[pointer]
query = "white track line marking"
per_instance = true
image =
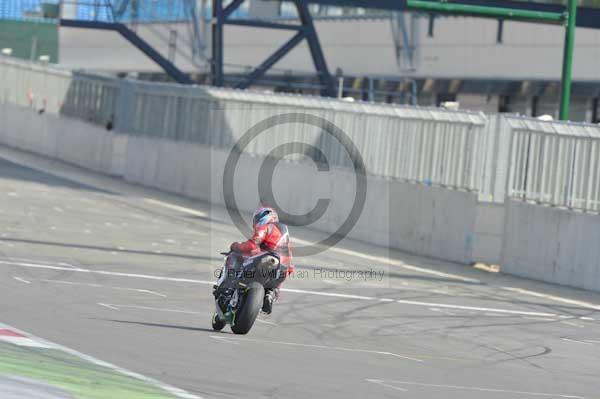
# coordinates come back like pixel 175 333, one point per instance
pixel 553 298
pixel 107 273
pixel 40 261
pixel 26 342
pixel 224 339
pixel 266 322
pixel 108 306
pixel 357 254
pixel 22 280
pixel 119 307
pixel 335 348
pixel 576 341
pixel 315 293
pixel 180 393
pixel 176 207
pixel 447 306
pixel 569 323
pixel 393 262
pixel 72 283
pixel 539 318
pixel 464 388
pixel 144 291
pixel 331 294
pixel 379 382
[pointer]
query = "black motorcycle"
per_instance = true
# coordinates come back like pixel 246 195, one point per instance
pixel 241 290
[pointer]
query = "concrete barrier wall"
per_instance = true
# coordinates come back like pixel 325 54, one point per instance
pixel 553 245
pixel 424 220
pixel 70 140
pixel 488 233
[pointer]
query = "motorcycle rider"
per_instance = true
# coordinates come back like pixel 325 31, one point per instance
pixel 269 235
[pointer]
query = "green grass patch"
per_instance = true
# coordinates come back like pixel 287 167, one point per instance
pixel 78 377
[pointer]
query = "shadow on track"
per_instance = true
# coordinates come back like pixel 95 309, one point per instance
pixel 141 323
pixel 13 171
pixel 111 249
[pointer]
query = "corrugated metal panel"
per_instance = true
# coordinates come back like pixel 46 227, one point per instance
pixel 382 133
pixel 555 163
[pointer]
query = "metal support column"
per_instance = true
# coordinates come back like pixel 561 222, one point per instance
pixel 272 60
pixel 315 49
pixel 217 42
pixel 567 69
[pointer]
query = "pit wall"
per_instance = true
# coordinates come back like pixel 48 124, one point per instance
pixel 553 245
pixel 428 221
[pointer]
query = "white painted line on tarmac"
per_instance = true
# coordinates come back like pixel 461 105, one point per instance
pixel 106 305
pixel 383 384
pixel 266 322
pixel 539 318
pixel 297 291
pixel 176 207
pixel 576 341
pixel 224 339
pixel 478 389
pixel 476 308
pixel 119 307
pixel 107 273
pixel 72 283
pixel 330 294
pixel 180 393
pixel 569 323
pixel 144 291
pixel 39 261
pixel 393 262
pixel 25 342
pixel 553 298
pixel 22 280
pixel 335 348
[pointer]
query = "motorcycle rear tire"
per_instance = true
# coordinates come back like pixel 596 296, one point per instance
pixel 253 301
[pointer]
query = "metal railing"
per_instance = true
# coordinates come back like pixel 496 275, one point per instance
pixel 428 145
pixel 91 98
pixel 555 163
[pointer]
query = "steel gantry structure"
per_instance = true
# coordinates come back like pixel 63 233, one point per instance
pixel 496 9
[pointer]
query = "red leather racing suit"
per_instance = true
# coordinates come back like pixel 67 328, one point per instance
pixel 272 237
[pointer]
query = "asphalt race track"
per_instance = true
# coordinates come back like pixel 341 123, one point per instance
pixel 124 273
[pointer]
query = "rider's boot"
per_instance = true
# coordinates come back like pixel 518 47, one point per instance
pixel 270 296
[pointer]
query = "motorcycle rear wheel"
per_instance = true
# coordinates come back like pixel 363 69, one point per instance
pixel 253 301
